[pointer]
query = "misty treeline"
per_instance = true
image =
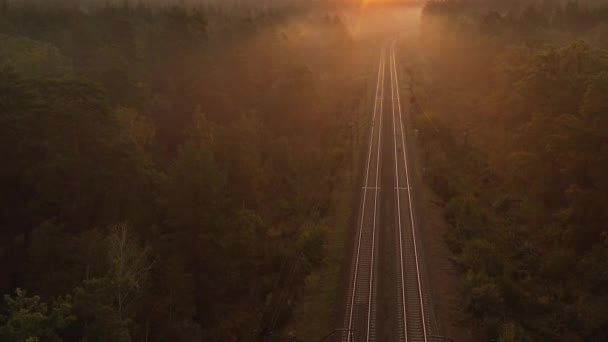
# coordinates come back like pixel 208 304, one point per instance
pixel 513 121
pixel 93 4
pixel 166 172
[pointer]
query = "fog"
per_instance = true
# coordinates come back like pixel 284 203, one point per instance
pixel 190 170
pixel 204 145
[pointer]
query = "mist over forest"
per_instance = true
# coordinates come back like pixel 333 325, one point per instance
pixel 189 170
pixel 96 3
pixel 173 170
pixel 519 96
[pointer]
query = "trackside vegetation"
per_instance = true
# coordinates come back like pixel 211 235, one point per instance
pixel 512 113
pixel 168 172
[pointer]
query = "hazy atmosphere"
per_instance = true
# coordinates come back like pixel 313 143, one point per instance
pixel 265 170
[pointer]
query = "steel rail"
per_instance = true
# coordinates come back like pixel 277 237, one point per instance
pixel 397 189
pixel 397 101
pixel 378 95
pixel 371 276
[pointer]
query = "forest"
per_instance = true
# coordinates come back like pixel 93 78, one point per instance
pixel 187 172
pixel 511 102
pixel 168 172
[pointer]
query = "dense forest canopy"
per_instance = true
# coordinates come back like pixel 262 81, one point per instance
pixel 512 113
pixel 171 170
pixel 167 170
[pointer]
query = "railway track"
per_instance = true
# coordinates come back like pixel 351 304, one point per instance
pixel 413 321
pixel 415 316
pixel 359 319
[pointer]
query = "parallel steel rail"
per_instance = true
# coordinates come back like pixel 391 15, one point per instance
pixel 414 312
pixel 360 314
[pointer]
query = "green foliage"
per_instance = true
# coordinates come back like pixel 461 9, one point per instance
pixel 129 264
pixel 85 259
pixel 465 214
pixel 483 256
pixel 159 117
pixel 483 297
pixel 30 319
pixel 312 243
pixel 510 332
pixel 526 196
pixel 195 187
pixel 32 58
pixel 98 319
